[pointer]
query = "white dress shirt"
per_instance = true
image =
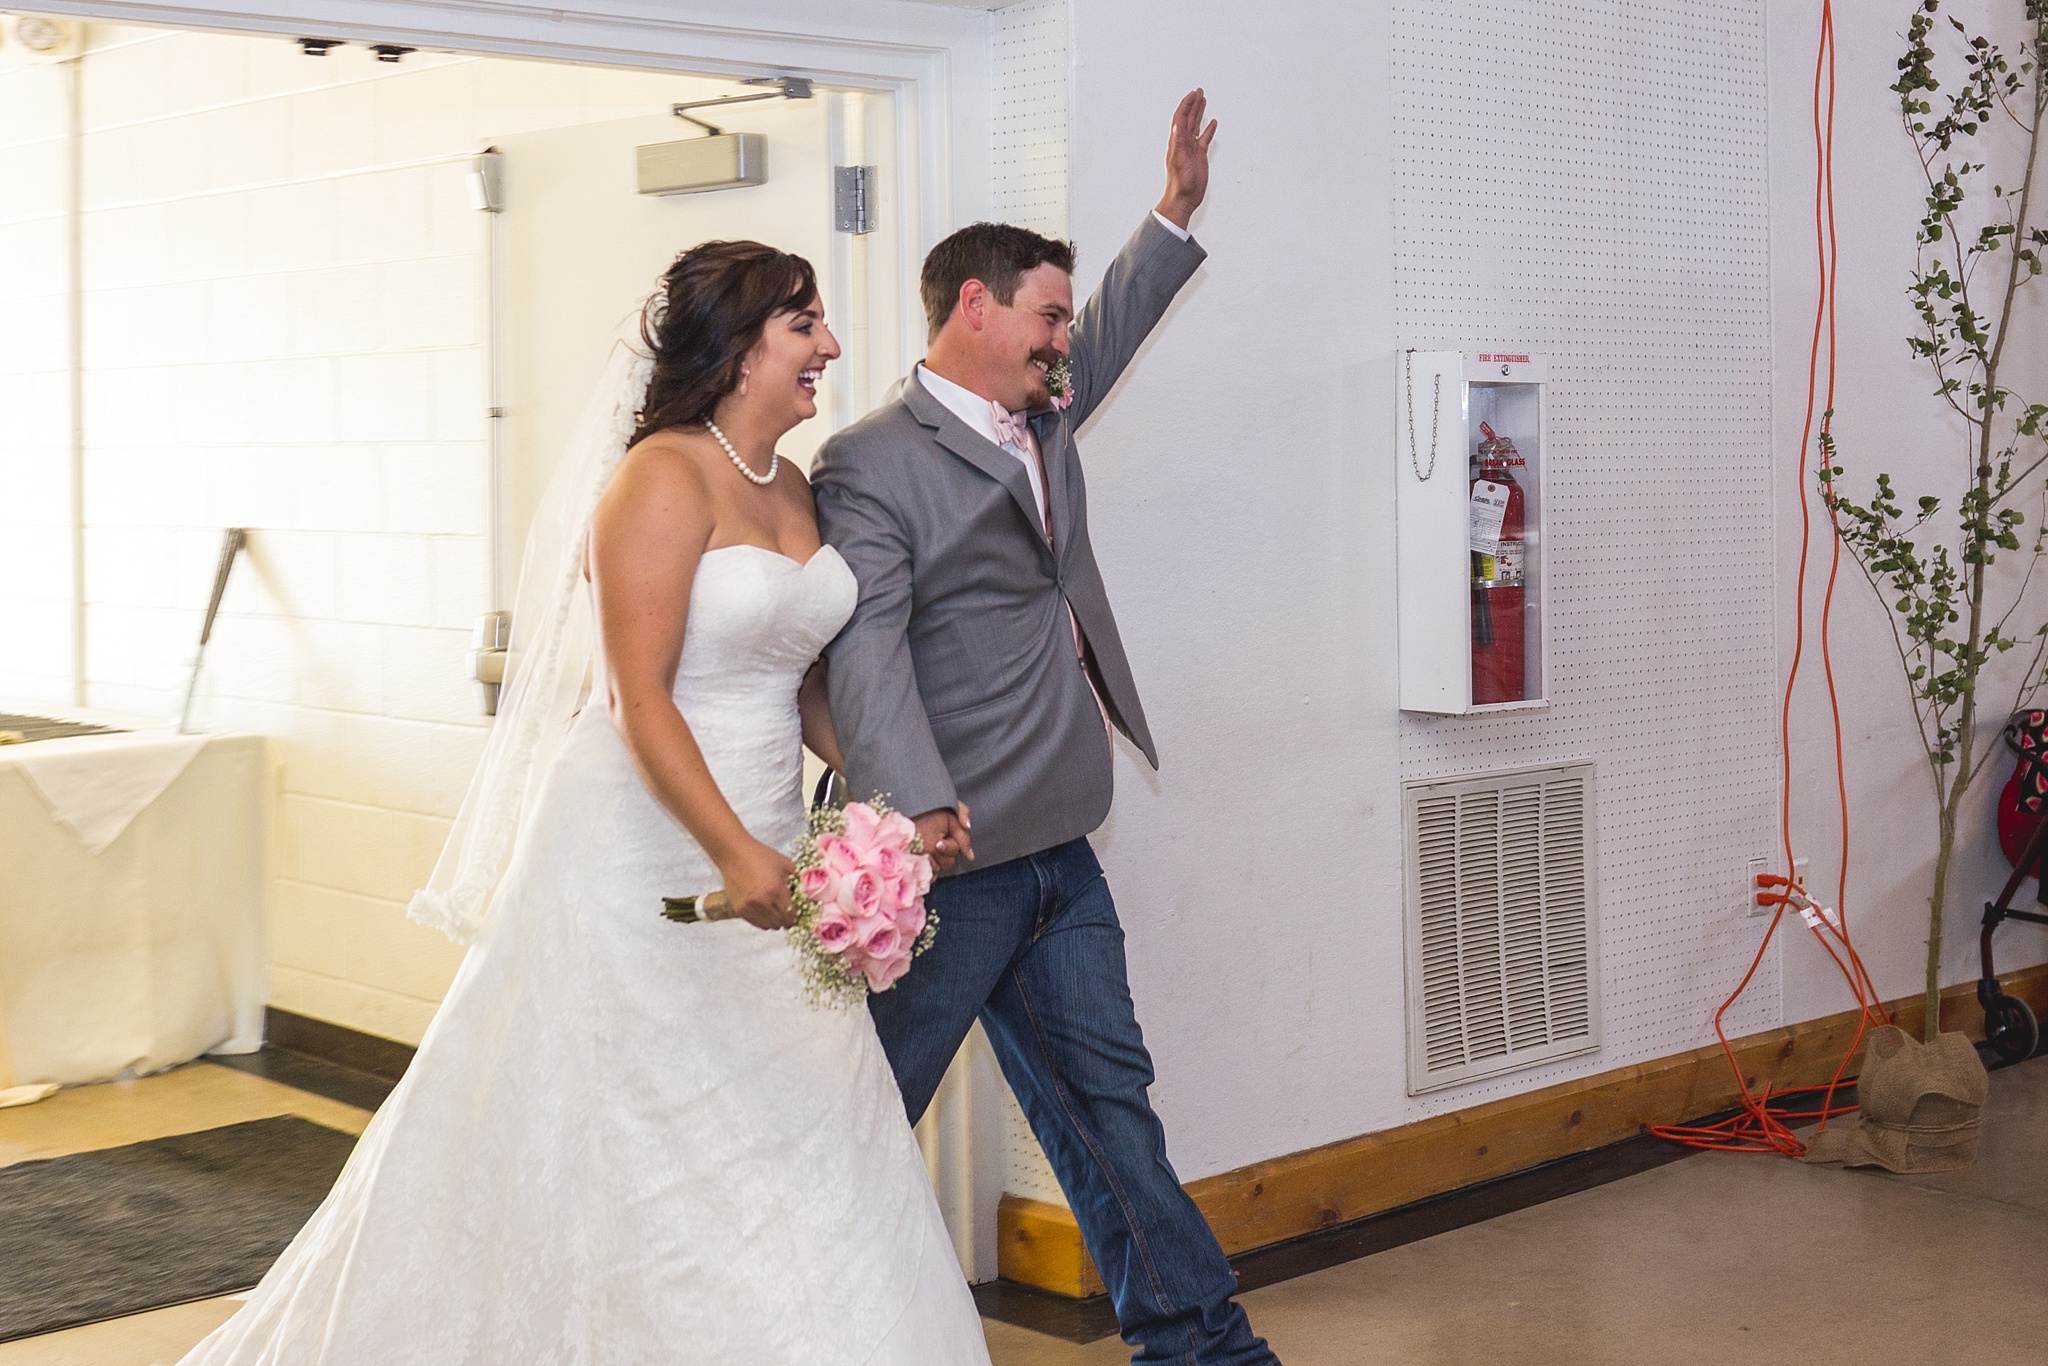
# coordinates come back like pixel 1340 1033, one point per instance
pixel 980 416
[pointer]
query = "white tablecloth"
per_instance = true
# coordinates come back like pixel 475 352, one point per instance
pixel 149 951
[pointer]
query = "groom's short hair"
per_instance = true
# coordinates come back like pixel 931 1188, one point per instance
pixel 997 254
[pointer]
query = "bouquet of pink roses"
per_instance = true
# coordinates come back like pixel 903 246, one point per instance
pixel 858 892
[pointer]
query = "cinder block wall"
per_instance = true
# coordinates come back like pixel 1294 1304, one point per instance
pixel 284 322
pixel 35 397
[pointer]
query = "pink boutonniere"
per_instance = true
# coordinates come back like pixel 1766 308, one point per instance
pixel 1060 381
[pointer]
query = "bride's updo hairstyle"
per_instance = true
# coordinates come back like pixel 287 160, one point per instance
pixel 715 301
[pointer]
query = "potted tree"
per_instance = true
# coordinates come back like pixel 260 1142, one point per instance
pixel 1974 110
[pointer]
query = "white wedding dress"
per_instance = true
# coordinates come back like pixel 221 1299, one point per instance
pixel 625 1140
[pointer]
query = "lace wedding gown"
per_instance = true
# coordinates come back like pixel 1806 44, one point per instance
pixel 625 1140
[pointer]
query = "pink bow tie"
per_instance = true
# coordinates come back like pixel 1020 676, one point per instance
pixel 1012 429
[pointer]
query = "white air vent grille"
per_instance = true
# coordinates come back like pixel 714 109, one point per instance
pixel 1501 923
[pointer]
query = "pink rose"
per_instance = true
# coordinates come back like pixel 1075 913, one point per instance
pixel 860 895
pixel 921 868
pixel 817 884
pixel 833 930
pixel 882 939
pixel 863 828
pixel 838 857
pixel 898 873
pixel 897 831
pixel 911 920
pixel 883 973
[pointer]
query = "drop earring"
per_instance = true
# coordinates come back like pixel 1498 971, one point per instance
pixel 744 372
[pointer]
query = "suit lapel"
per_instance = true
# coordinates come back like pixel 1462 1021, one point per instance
pixel 977 450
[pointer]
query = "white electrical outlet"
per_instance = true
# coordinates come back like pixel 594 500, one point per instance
pixel 1758 867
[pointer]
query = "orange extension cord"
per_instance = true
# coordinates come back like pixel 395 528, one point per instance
pixel 1763 1121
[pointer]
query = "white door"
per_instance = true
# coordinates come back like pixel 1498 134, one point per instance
pixel 582 249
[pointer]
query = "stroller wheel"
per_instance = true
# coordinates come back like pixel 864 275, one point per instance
pixel 2010 1029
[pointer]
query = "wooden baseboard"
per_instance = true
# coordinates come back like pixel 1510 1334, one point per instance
pixel 1040 1245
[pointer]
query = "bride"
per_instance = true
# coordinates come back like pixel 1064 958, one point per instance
pixel 625 1140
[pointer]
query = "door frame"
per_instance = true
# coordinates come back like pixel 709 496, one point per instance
pixel 932 58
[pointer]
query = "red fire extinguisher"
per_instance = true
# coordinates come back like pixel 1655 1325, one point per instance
pixel 1497 577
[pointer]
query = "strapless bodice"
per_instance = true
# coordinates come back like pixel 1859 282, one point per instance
pixel 757 622
pixel 758 619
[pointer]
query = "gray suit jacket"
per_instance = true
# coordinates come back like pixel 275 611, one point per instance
pixel 956 678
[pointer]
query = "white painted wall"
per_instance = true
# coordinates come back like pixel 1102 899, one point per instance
pixel 35 396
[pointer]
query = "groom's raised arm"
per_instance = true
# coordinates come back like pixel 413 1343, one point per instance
pixel 1146 275
pixel 869 678
pixel 1133 296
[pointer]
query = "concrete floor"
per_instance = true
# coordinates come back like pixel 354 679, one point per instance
pixel 1716 1259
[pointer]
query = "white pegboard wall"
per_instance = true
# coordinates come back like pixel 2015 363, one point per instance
pixel 1029 55
pixel 1025 1169
pixel 1588 179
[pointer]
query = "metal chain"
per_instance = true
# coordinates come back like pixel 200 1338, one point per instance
pixel 1435 412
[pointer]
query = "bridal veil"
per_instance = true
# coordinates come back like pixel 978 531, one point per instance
pixel 554 640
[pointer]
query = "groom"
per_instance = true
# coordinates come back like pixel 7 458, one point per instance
pixel 976 683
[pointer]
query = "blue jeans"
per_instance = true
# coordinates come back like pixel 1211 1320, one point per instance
pixel 1034 949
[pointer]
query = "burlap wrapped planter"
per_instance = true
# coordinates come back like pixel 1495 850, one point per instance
pixel 1920 1106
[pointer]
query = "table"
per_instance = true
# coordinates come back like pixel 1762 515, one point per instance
pixel 132 884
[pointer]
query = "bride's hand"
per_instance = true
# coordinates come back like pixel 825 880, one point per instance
pixel 757 885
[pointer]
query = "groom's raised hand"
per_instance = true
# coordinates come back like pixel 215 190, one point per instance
pixel 1187 159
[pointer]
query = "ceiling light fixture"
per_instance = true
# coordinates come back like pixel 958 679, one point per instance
pixel 39 35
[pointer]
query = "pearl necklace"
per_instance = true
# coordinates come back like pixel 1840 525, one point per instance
pixel 774 458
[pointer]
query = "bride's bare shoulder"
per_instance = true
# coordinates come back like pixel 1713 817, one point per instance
pixel 661 483
pixel 671 460
pixel 672 446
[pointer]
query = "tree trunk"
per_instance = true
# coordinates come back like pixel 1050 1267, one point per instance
pixel 1937 904
pixel 1944 855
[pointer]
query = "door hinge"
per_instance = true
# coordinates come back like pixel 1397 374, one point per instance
pixel 853 199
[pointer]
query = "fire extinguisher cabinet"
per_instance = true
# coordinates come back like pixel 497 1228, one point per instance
pixel 1470 430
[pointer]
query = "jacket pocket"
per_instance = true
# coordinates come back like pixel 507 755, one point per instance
pixel 962 713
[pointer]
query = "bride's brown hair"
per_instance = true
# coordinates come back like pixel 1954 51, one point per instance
pixel 715 300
